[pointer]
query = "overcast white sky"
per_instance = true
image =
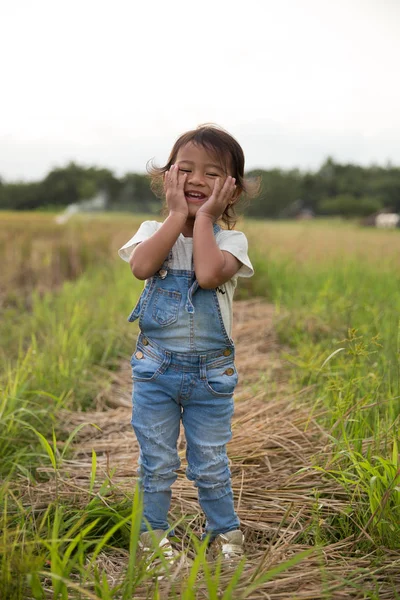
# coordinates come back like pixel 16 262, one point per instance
pixel 114 83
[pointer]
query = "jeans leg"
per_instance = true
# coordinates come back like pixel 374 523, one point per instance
pixel 156 422
pixel 207 422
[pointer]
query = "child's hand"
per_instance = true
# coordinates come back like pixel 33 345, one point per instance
pixel 223 194
pixel 174 183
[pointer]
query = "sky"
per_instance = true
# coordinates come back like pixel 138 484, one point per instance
pixel 113 84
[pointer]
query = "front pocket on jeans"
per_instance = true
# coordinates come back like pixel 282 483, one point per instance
pixel 222 380
pixel 144 367
pixel 166 306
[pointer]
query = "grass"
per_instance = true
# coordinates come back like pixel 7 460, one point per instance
pixel 340 321
pixel 60 355
pixel 64 333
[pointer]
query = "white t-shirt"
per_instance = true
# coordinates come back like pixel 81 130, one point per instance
pixel 231 241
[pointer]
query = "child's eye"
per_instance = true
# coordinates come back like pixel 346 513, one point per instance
pixel 212 174
pixel 185 170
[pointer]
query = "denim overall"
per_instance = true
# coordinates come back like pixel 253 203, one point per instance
pixel 183 369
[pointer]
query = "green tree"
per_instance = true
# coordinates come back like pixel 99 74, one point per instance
pixel 137 195
pixel 278 190
pixel 347 205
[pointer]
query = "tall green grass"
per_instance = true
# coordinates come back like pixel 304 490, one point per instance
pixel 339 320
pixel 59 355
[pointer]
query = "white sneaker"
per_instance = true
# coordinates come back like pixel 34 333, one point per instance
pixel 229 546
pixel 148 543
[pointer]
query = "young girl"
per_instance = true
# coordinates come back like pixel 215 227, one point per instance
pixel 183 367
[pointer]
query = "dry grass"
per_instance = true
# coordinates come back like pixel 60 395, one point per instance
pixel 284 505
pixel 39 255
pixel 322 241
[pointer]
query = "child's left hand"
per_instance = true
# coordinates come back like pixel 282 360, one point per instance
pixel 222 195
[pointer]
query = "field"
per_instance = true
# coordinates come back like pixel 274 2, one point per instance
pixel 315 451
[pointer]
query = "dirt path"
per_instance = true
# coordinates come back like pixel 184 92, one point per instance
pixel 281 501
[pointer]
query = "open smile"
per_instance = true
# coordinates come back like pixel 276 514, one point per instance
pixel 195 196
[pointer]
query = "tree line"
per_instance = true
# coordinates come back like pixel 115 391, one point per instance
pixel 335 189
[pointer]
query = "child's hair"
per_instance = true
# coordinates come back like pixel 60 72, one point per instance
pixel 227 149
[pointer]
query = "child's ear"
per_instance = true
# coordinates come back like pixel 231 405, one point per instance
pixel 235 195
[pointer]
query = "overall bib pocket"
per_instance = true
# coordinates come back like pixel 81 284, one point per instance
pixel 221 379
pixel 166 306
pixel 145 367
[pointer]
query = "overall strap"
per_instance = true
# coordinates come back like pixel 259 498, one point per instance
pixel 189 304
pixel 163 272
pixel 195 286
pixel 216 228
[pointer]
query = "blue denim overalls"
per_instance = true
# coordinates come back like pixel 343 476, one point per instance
pixel 183 369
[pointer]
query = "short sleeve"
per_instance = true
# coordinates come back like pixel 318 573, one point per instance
pixel 235 242
pixel 145 231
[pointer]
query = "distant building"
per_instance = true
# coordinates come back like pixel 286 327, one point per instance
pixel 98 203
pixel 296 210
pixel 382 220
pixel 305 214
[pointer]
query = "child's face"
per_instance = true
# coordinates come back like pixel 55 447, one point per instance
pixel 202 167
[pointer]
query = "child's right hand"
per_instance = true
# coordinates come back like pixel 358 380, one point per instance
pixel 174 185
